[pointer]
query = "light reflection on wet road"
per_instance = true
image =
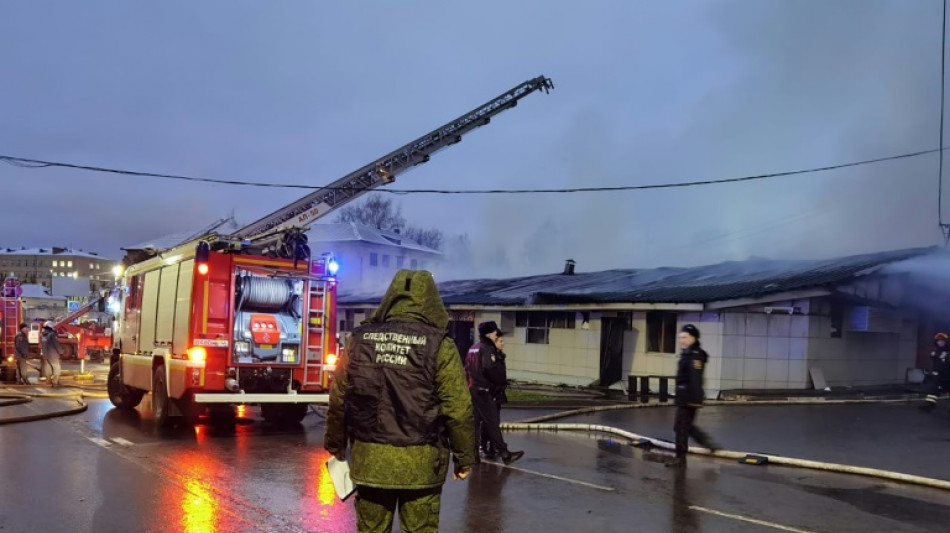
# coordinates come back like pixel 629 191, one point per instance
pixel 106 470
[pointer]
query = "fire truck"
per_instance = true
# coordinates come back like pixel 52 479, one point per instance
pixel 79 341
pixel 250 318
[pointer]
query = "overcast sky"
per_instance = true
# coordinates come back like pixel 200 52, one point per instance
pixel 647 92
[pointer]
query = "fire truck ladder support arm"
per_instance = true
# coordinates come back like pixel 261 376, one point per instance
pixel 384 170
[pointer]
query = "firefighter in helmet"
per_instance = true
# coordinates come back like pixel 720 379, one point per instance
pixel 400 399
pixel 939 376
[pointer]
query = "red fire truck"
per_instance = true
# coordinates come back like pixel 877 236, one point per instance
pixel 250 318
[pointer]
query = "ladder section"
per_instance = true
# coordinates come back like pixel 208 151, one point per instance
pixel 11 319
pixel 315 333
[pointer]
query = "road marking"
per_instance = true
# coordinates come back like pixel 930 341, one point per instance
pixel 101 442
pixel 123 442
pixel 749 520
pixel 552 476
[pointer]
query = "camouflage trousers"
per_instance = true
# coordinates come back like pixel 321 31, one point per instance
pixel 418 510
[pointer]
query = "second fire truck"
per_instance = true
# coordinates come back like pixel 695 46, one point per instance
pixel 250 317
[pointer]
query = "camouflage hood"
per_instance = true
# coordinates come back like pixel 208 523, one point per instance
pixel 412 296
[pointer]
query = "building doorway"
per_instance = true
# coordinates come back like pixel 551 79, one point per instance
pixel 611 350
pixel 463 334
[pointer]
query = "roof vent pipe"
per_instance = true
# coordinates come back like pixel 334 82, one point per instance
pixel 569 267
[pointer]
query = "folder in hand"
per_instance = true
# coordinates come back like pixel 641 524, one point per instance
pixel 340 475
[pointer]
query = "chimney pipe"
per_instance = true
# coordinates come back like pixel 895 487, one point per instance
pixel 569 267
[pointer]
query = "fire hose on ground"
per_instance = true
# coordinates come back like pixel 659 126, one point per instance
pixel 18 398
pixel 538 424
pixel 24 394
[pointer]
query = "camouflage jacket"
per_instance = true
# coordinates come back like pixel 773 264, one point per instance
pixel 412 297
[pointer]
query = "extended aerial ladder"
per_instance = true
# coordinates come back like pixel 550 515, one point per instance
pixel 280 234
pixel 236 319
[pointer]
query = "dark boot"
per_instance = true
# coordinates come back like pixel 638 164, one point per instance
pixel 510 457
pixel 711 444
pixel 677 462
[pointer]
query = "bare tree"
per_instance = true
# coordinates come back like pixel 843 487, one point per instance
pixel 384 214
pixel 431 237
pixel 376 211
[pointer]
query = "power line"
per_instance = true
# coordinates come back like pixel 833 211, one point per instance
pixel 943 66
pixel 36 163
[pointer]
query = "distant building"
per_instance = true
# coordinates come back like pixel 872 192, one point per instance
pixel 858 321
pixel 369 257
pixel 41 265
pixel 38 303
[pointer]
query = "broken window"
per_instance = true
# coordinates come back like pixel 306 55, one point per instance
pixel 562 320
pixel 537 332
pixel 538 324
pixel 661 332
pixel 521 319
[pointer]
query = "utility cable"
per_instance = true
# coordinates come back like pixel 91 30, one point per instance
pixel 36 163
pixel 944 228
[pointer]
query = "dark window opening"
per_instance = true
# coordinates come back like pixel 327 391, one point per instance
pixel 661 332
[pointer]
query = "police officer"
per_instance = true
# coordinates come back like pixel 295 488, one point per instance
pixel 482 366
pixel 499 379
pixel 689 395
pixel 939 376
pixel 399 397
pixel 21 345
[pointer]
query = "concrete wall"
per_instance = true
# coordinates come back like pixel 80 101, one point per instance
pixel 860 358
pixel 764 351
pixel 776 351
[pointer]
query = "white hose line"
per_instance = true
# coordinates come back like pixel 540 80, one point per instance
pixel 710 403
pixel 772 459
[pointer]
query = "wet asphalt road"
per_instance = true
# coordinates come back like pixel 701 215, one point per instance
pixel 890 436
pixel 108 471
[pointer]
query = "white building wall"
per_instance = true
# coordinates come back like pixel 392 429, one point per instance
pixel 764 351
pixel 748 350
pixel 860 358
pixel 572 356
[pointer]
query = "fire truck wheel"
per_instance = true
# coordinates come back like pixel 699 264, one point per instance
pixel 284 414
pixel 160 401
pixel 121 396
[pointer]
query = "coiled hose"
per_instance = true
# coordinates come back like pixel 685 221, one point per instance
pixel 264 293
pixel 267 294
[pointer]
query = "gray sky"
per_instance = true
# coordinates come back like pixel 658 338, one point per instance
pixel 647 92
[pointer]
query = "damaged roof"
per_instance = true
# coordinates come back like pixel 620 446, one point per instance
pixel 351 231
pixel 703 284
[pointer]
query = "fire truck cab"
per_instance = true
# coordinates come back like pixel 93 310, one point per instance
pixel 200 328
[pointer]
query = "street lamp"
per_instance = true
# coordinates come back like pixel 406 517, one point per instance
pixel 117 270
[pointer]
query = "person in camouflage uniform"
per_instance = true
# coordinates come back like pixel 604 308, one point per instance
pixel 400 398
